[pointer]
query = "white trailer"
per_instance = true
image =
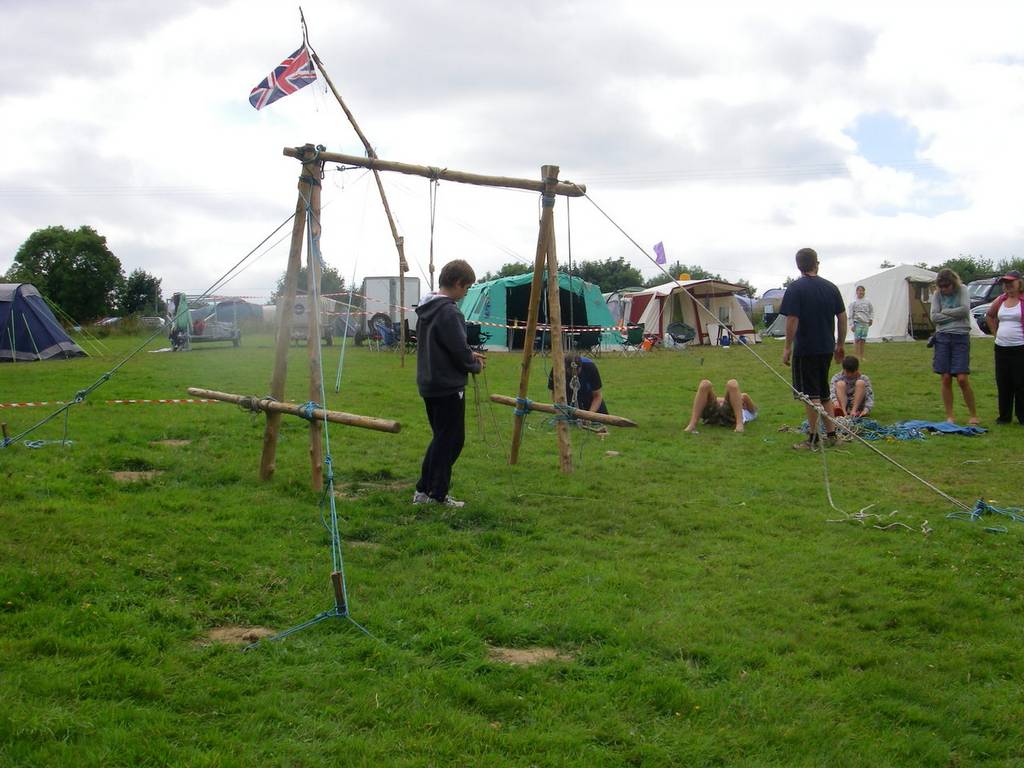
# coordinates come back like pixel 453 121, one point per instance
pixel 381 295
pixel 301 311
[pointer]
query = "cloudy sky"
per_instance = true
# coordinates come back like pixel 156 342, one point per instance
pixel 735 135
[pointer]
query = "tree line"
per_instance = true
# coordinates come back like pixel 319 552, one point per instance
pixel 77 271
pixel 616 274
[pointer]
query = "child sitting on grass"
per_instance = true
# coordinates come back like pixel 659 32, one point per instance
pixel 850 390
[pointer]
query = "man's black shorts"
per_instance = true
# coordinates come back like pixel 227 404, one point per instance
pixel 810 375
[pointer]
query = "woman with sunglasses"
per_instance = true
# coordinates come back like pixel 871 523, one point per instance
pixel 951 306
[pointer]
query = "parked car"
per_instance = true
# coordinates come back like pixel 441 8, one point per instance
pixel 979 313
pixel 984 291
pixel 152 322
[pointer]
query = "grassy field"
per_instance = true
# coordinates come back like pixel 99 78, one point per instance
pixel 702 609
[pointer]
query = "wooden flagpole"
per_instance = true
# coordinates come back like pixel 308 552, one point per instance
pixel 403 265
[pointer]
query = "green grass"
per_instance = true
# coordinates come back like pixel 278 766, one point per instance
pixel 712 615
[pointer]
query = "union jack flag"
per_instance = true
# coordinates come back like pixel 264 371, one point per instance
pixel 291 74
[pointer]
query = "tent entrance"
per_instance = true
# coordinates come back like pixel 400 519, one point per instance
pixel 573 308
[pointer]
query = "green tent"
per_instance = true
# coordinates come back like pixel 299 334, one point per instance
pixel 505 301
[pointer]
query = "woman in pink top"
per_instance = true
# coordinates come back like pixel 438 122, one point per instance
pixel 1006 319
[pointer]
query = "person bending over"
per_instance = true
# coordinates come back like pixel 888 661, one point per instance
pixel 850 390
pixel 733 410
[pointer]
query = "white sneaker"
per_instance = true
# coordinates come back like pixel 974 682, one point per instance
pixel 450 502
pixel 421 498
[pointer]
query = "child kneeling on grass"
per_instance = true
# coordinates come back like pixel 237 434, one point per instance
pixel 850 390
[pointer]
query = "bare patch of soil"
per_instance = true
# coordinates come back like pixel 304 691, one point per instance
pixel 357 544
pixel 171 443
pixel 525 657
pixel 126 476
pixel 236 635
pixel 360 488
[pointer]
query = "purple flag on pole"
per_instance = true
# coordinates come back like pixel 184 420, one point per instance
pixel 659 251
pixel 291 74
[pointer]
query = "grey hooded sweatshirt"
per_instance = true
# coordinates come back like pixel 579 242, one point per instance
pixel 443 358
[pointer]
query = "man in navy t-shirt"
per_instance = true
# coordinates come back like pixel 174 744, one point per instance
pixel 589 396
pixel 813 307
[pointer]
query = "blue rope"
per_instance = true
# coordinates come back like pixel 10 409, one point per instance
pixel 308 409
pixel 983 508
pixel 523 405
pixel 565 412
pixel 869 429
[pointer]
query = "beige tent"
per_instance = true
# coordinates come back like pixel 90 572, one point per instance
pixel 710 307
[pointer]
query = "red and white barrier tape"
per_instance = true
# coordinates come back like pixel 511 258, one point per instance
pixel 110 402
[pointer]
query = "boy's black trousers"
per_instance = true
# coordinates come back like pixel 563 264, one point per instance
pixel 447 417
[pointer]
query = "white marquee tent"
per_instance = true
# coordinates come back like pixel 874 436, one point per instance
pixel 901 297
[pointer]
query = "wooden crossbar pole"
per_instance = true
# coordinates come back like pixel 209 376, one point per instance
pixel 579 413
pixel 270 406
pixel 444 174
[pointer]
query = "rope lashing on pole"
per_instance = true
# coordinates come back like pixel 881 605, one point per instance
pixel 523 406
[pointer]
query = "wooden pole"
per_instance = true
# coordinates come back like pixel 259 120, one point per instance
pixel 566 188
pixel 403 266
pixel 270 406
pixel 309 174
pixel 539 261
pixel 603 418
pixel 316 449
pixel 555 322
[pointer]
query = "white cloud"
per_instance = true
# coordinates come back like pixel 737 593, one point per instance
pixel 722 131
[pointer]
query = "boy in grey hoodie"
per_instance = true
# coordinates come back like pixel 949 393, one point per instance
pixel 443 360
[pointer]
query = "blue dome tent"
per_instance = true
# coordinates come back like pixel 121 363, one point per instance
pixel 28 329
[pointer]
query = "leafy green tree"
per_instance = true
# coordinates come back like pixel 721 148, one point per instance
pixel 140 293
pixel 331 281
pixel 750 291
pixel 609 275
pixel 1005 265
pixel 73 268
pixel 968 267
pixel 511 269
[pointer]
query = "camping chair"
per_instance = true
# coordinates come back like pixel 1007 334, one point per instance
pixel 681 333
pixel 476 337
pixel 410 336
pixel 382 333
pixel 586 341
pixel 632 339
